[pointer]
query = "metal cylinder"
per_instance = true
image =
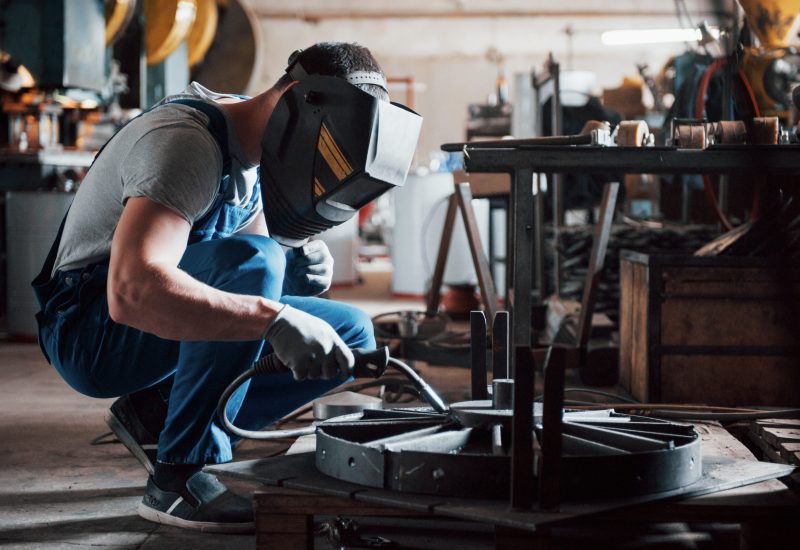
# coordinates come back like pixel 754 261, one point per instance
pixel 502 393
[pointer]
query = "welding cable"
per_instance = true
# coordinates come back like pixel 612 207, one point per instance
pixel 259 367
pixel 399 387
pixel 427 393
pixel 699 109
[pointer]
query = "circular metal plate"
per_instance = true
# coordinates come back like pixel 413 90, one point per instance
pixel 465 453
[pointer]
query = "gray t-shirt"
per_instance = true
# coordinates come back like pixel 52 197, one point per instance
pixel 167 155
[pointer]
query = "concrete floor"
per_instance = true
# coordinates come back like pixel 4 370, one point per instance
pixel 59 491
pixel 56 489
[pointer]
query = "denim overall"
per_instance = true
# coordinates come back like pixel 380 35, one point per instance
pixel 101 358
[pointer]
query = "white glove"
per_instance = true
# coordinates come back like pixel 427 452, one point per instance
pixel 308 345
pixel 309 270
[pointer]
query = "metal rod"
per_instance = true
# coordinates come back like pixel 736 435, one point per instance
pixel 435 292
pixel 579 139
pixel 552 412
pixel 538 219
pixel 767 160
pixel 597 260
pixel 477 327
pixel 522 207
pixel 500 345
pixel 522 430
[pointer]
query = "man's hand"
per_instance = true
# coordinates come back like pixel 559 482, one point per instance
pixel 309 270
pixel 308 345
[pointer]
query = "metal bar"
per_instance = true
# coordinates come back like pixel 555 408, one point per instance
pixel 556 139
pixel 538 219
pixel 602 234
pixel 686 201
pixel 522 430
pixel 477 328
pixel 552 429
pixel 557 126
pixel 479 259
pixel 500 345
pixel 408 436
pixel 614 438
pixel 443 442
pixel 434 294
pixel 522 206
pixel 573 445
pixel 719 159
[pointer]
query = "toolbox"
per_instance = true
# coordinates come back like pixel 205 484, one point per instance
pixel 712 330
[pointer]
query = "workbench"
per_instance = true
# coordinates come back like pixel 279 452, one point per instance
pixel 292 492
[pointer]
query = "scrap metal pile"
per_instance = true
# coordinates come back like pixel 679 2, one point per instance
pixel 575 247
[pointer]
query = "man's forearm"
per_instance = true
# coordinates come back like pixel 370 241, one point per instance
pixel 165 301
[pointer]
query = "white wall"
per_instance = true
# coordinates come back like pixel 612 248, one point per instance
pixel 445 45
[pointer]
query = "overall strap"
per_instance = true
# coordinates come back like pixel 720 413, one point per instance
pixel 216 125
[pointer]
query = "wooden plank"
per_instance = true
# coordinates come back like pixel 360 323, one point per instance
pixel 485 185
pixel 770 453
pixel 641 338
pixel 434 294
pixel 479 259
pixel 778 423
pixel 776 436
pixel 730 380
pixel 689 321
pixel 790 452
pixel 302 502
pixel 626 312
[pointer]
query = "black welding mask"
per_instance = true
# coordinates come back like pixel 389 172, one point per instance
pixel 329 149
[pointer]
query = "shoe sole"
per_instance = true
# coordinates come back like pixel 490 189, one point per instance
pixel 130 443
pixel 205 526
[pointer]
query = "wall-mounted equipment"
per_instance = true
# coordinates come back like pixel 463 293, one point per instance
pixel 61 42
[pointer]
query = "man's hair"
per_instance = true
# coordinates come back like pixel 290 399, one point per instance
pixel 340 59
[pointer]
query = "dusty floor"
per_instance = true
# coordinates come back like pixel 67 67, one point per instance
pixel 59 491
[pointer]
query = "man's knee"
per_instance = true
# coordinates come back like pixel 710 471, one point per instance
pixel 245 264
pixel 360 333
pixel 255 250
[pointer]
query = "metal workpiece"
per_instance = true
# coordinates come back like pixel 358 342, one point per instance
pixel 477 326
pixel 502 393
pixel 416 450
pixel 331 406
pixel 500 345
pixel 776 160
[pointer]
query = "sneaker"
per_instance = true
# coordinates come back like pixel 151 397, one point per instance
pixel 140 440
pixel 204 504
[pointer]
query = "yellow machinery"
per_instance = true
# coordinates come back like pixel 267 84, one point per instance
pixel 773 65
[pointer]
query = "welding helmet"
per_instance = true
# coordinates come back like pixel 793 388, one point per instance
pixel 330 148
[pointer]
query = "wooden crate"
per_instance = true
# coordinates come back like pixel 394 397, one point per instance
pixel 719 331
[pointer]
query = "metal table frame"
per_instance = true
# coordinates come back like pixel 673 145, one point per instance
pixel 523 163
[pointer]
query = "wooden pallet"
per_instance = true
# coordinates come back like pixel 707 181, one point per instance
pixel 294 492
pixel 779 441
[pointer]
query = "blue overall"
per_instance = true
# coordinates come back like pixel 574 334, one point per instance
pixel 101 358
